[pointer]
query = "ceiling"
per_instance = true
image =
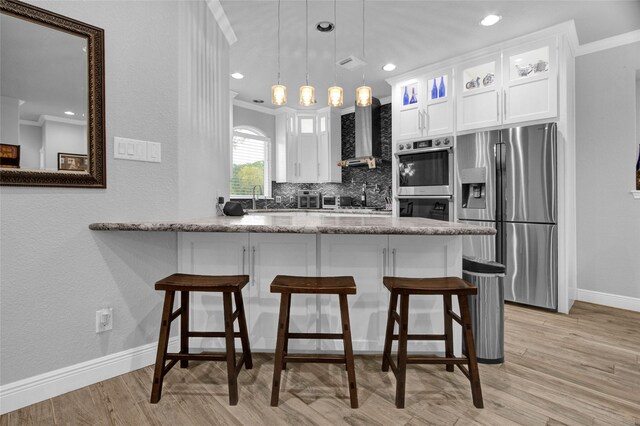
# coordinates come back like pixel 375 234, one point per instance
pixel 45 68
pixel 409 34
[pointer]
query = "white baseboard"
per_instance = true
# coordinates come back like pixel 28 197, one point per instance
pixel 47 385
pixel 613 300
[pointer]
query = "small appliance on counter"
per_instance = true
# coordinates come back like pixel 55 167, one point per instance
pixel 335 201
pixel 308 199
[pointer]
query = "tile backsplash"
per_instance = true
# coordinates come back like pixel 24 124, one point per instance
pixel 378 180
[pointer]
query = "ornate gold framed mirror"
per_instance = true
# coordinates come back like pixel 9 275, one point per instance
pixel 52 130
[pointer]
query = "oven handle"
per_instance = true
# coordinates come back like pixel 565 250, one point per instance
pixel 424 150
pixel 426 197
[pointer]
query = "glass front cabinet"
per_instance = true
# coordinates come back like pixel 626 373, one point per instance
pixel 424 106
pixel 530 87
pixel 478 85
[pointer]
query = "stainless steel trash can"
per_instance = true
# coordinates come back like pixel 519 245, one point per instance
pixel 487 308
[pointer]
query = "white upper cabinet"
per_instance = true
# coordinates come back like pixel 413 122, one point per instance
pixel 407 105
pixel 423 106
pixel 478 84
pixel 530 86
pixel 438 109
pixel 308 146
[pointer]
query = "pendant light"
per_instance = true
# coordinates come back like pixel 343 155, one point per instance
pixel 335 93
pixel 364 97
pixel 278 91
pixel 307 93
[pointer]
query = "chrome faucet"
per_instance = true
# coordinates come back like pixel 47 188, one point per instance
pixel 253 196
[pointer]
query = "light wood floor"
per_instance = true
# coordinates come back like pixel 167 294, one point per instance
pixel 581 369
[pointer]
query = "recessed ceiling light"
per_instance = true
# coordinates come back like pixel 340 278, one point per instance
pixel 70 113
pixel 258 101
pixel 237 76
pixel 490 20
pixel 389 67
pixel 325 26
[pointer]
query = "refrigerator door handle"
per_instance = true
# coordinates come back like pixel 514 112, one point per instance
pixel 497 106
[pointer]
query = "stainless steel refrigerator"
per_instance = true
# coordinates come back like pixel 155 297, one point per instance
pixel 507 179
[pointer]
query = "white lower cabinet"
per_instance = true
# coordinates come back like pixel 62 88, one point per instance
pixel 365 258
pixel 414 256
pixel 262 257
pixel 368 258
pixel 279 254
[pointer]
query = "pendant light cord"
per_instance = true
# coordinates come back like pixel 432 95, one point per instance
pixel 363 40
pixel 278 42
pixel 306 33
pixel 335 43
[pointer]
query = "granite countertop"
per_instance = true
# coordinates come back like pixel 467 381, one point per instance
pixel 346 211
pixel 303 224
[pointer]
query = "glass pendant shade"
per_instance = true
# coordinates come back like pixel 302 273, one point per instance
pixel 335 96
pixel 278 94
pixel 363 96
pixel 307 95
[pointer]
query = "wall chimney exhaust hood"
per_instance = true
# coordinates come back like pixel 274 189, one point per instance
pixel 368 142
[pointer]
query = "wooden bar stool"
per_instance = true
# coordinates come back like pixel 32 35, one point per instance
pixel 185 283
pixel 288 285
pixel 404 287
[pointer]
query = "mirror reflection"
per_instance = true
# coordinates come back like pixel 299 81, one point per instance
pixel 44 93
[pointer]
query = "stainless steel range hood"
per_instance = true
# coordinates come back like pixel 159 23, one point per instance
pixel 368 142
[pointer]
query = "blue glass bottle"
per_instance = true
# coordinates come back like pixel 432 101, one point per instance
pixel 405 97
pixel 434 90
pixel 442 91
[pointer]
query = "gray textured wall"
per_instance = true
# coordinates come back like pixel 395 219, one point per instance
pixel 55 272
pixel 608 218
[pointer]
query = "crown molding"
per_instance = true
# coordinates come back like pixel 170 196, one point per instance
pixel 223 21
pixel 44 118
pixel 31 123
pixel 609 43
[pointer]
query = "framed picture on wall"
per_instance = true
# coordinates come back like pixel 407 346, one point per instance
pixel 9 156
pixel 72 162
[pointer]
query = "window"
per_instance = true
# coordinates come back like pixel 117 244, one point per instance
pixel 251 162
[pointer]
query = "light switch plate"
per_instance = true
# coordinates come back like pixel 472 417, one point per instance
pixel 136 150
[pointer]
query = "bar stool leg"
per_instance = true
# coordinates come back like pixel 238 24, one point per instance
pixel 231 349
pixel 388 336
pixel 244 334
pixel 286 335
pixel 348 350
pixel 402 350
pixel 448 330
pixel 283 319
pixel 184 327
pixel 474 376
pixel 163 342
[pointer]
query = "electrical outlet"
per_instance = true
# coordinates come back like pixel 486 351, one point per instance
pixel 278 199
pixel 104 320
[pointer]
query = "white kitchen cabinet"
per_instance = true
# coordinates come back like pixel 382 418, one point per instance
pixel 424 110
pixel 365 257
pixel 215 253
pixel 478 93
pixel 310 148
pixel 279 254
pixel 329 130
pixel 408 108
pixel 415 256
pixel 530 83
pixel 262 257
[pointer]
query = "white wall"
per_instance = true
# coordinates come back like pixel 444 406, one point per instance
pixel 30 145
pixel 61 137
pixel 55 272
pixel 9 120
pixel 204 165
pixel 608 218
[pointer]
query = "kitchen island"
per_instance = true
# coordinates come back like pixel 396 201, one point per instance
pixel 365 247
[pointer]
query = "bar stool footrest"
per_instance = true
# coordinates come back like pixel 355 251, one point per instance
pixel 422 337
pixel 420 359
pixel 315 358
pixel 323 336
